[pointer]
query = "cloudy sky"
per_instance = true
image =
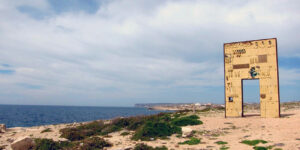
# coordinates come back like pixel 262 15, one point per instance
pixel 121 52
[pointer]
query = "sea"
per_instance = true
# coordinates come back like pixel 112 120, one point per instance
pixel 34 115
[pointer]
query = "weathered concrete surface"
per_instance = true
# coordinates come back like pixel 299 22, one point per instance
pixel 251 60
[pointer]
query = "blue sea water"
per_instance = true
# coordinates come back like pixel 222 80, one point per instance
pixel 33 115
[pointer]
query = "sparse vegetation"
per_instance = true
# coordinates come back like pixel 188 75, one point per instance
pixel 155 129
pixel 46 144
pixel 208 109
pixel 262 147
pixel 253 142
pixel 46 130
pixel 94 143
pixel 221 142
pixel 224 148
pixel 192 141
pixel 88 144
pixel 87 130
pixel 290 105
pixel 188 120
pixel 146 127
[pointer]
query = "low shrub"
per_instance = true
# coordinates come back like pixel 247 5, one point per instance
pixel 87 130
pixel 259 148
pixel 208 109
pixel 221 142
pixel 131 123
pixel 146 147
pixel 49 144
pixel 109 129
pixel 46 144
pixel 188 120
pixel 224 148
pixel 253 142
pixel 192 141
pixel 262 147
pixel 155 129
pixel 72 134
pixel 94 143
pixel 146 127
pixel 46 130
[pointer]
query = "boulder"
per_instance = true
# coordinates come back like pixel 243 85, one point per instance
pixel 23 144
pixel 186 132
pixel 2 128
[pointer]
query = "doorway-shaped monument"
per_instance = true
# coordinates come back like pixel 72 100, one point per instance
pixel 251 60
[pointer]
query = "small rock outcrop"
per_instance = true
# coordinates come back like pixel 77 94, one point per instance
pixel 23 144
pixel 186 132
pixel 2 128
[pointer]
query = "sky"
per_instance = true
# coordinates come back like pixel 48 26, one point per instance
pixel 120 52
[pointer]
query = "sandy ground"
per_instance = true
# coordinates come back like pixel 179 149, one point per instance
pixel 283 132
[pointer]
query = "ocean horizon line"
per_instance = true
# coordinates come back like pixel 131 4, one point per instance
pixel 66 105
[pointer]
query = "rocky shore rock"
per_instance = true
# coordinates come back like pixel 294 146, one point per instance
pixel 25 143
pixel 2 128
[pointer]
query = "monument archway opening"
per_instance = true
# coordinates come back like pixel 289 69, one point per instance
pixel 251 97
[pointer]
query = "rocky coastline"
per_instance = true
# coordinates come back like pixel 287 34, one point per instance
pixel 214 132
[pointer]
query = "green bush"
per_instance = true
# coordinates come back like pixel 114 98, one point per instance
pixel 133 123
pixel 188 120
pixel 262 147
pixel 259 148
pixel 192 141
pixel 146 147
pixel 109 129
pixel 224 148
pixel 155 129
pixel 46 130
pixel 87 130
pixel 72 134
pixel 46 144
pixel 253 142
pixel 221 142
pixel 49 144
